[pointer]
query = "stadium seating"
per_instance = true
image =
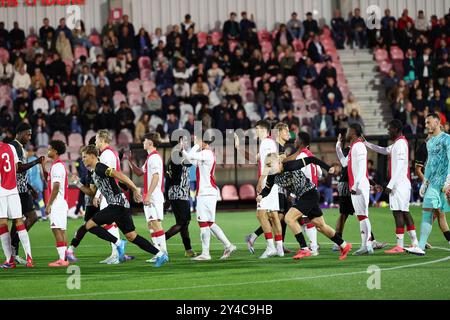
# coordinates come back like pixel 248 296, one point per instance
pixel 229 193
pixel 247 192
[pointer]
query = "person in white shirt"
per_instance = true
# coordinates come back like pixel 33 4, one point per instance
pixel 153 193
pixel 356 163
pixel 40 102
pixel 109 157
pixel 6 72
pixel 57 207
pixel 399 186
pixel 21 80
pixel 204 159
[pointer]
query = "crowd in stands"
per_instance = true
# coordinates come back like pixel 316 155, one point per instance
pixel 414 57
pixel 126 79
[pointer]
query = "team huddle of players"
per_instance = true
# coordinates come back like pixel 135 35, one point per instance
pixel 287 194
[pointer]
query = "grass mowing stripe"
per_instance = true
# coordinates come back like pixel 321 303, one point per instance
pixel 237 284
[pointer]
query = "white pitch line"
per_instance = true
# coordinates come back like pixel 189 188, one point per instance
pixel 234 284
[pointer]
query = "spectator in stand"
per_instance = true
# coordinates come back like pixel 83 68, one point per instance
pixel 106 118
pixel 84 76
pixel 110 44
pixel 21 80
pixel 4 35
pixel 375 194
pixel 74 121
pixel 16 37
pixel 310 25
pixel 231 29
pixel 399 105
pixel 283 37
pixel 408 36
pixel 190 123
pixel 231 88
pixel 125 117
pixel 247 27
pixel 158 37
pixel 419 103
pixel 358 29
pixel 63 28
pixel 290 119
pixel 126 23
pixel 265 99
pixel 405 115
pixel 390 82
pixel 295 27
pixel 437 101
pixel 354 117
pixel 142 128
pixel 118 81
pixel 308 74
pixel 172 123
pixel 40 102
pixel 79 36
pixel 190 45
pixel 341 121
pixel 272 118
pixel 316 50
pixel 327 72
pixel 425 65
pixel 6 72
pixel 287 63
pixel 404 20
pixel 199 92
pixel 103 90
pixel 164 77
pixel 331 87
pixel 338 29
pixel 41 133
pixel 153 103
pixel 421 22
pixel 186 24
pixel 57 69
pixel 182 90
pixel 351 104
pixel 323 124
pixel 414 127
pixel 23 97
pixel 241 120
pixel 49 43
pixel 332 104
pixel 143 43
pixel 386 18
pixel 126 39
pixel 38 81
pixel 57 121
pixel 45 29
pixel 215 76
pixel 87 91
pixel 284 99
pixel 409 67
pixel 132 67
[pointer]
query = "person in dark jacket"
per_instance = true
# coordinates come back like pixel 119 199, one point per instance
pixel 310 25
pixel 231 29
pixel 316 50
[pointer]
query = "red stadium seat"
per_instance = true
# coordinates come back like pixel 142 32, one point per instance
pixel 133 86
pixel 147 87
pixel 381 55
pixel 216 37
pixel 118 98
pixel 247 192
pixel 4 54
pixel 30 41
pixel 125 138
pixel 229 193
pixel 145 74
pixel 266 47
pixel 397 53
pixel 385 66
pixel 58 135
pixel 232 45
pixel 298 45
pixel 89 135
pixel 134 99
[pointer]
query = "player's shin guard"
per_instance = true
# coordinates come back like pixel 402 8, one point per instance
pixel 205 236
pixel 145 245
pixel 412 235
pixel 113 230
pixel 218 232
pixel 160 239
pixel 6 242
pixel 311 232
pixel 25 240
pixel 366 230
pixel 425 228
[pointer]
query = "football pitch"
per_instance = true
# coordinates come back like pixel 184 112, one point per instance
pixel 243 276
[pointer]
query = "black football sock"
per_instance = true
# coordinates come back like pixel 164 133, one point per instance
pixel 259 231
pixel 337 239
pixel 339 234
pixel 184 232
pixel 14 239
pixel 447 235
pixel 172 231
pixel 79 235
pixel 103 234
pixel 145 245
pixel 283 228
pixel 301 240
pixel 372 236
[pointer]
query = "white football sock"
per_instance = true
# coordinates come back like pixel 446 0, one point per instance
pixel 413 236
pixel 399 232
pixel 25 241
pixel 6 243
pixel 311 232
pixel 218 232
pixel 205 236
pixel 61 251
pixel 366 230
pixel 160 240
pixel 115 232
pixel 253 237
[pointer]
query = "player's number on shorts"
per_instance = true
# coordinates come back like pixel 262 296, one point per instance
pixel 7 167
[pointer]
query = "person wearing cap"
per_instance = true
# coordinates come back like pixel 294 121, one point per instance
pixel 202 156
pixel 40 102
pixel 295 27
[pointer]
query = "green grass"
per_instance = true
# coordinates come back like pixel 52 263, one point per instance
pixel 244 276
